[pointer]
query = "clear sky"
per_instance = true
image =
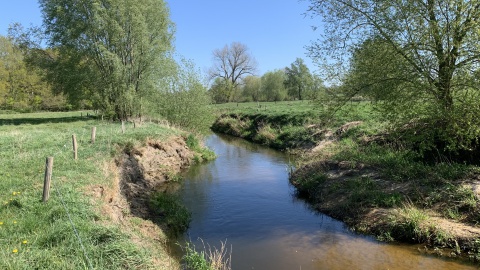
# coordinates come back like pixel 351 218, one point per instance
pixel 275 31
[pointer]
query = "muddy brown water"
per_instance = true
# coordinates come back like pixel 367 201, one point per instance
pixel 244 198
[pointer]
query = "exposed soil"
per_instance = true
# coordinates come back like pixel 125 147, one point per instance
pixel 135 174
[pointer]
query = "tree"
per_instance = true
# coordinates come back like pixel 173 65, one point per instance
pixel 183 100
pixel 252 88
pixel 299 79
pixel 123 41
pixel 66 73
pixel 273 87
pixel 317 89
pixel 232 63
pixel 433 42
pixel 21 86
pixel 220 91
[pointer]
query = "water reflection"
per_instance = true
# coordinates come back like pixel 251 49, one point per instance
pixel 244 197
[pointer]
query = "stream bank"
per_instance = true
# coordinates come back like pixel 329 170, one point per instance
pixel 376 189
pixel 138 173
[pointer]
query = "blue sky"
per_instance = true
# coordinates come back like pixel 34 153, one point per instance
pixel 275 31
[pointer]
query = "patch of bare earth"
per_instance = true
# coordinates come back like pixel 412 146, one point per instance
pixel 134 176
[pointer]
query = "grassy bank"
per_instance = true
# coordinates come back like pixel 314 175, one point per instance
pixel 353 169
pixel 86 223
pixel 289 124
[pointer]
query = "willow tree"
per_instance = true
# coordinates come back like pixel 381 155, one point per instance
pixel 419 54
pixel 299 79
pixel 122 41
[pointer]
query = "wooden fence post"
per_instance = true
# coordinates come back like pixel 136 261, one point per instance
pixel 123 127
pixel 47 179
pixel 94 132
pixel 74 140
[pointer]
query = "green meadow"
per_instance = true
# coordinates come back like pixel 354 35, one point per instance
pixel 69 231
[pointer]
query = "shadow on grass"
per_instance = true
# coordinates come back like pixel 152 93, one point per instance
pixel 38 121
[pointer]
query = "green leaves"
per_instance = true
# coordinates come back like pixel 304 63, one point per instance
pixel 123 42
pixel 416 59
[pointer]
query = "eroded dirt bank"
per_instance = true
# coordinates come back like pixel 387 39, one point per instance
pixel 136 174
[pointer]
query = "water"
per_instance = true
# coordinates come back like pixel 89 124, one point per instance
pixel 245 199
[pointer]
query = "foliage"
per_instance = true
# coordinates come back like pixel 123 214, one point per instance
pixel 21 86
pixel 251 90
pixel 221 90
pixel 272 86
pixel 298 79
pixel 208 259
pixel 183 100
pixel 417 58
pixel 193 259
pixel 231 64
pixel 201 153
pixel 124 43
pixel 170 210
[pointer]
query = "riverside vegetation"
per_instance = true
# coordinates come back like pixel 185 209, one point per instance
pixel 355 169
pixel 91 193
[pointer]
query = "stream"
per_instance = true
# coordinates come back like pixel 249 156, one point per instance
pixel 245 200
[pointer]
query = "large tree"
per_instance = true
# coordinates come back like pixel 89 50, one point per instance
pixel 434 43
pixel 251 88
pixel 123 41
pixel 299 79
pixel 231 64
pixel 273 88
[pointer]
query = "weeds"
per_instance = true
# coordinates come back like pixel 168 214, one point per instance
pixel 172 212
pixel 208 259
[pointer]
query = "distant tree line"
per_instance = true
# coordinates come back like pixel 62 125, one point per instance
pixel 234 80
pixel 22 87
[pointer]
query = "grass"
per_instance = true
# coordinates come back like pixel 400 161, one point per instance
pixel 36 235
pixel 169 208
pixel 202 154
pixel 289 124
pixel 208 259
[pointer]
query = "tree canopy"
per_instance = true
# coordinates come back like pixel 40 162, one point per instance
pixel 231 64
pixel 21 86
pixel 426 57
pixel 298 79
pixel 120 43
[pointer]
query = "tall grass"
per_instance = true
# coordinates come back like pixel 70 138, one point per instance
pixel 211 258
pixel 35 235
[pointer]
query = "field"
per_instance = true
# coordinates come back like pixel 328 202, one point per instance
pixel 299 112
pixel 69 231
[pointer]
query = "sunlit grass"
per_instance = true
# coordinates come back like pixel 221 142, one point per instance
pixel 36 235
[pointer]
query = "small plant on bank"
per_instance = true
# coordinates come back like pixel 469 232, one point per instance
pixel 208 259
pixel 194 260
pixel 201 153
pixel 171 212
pixel 409 224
